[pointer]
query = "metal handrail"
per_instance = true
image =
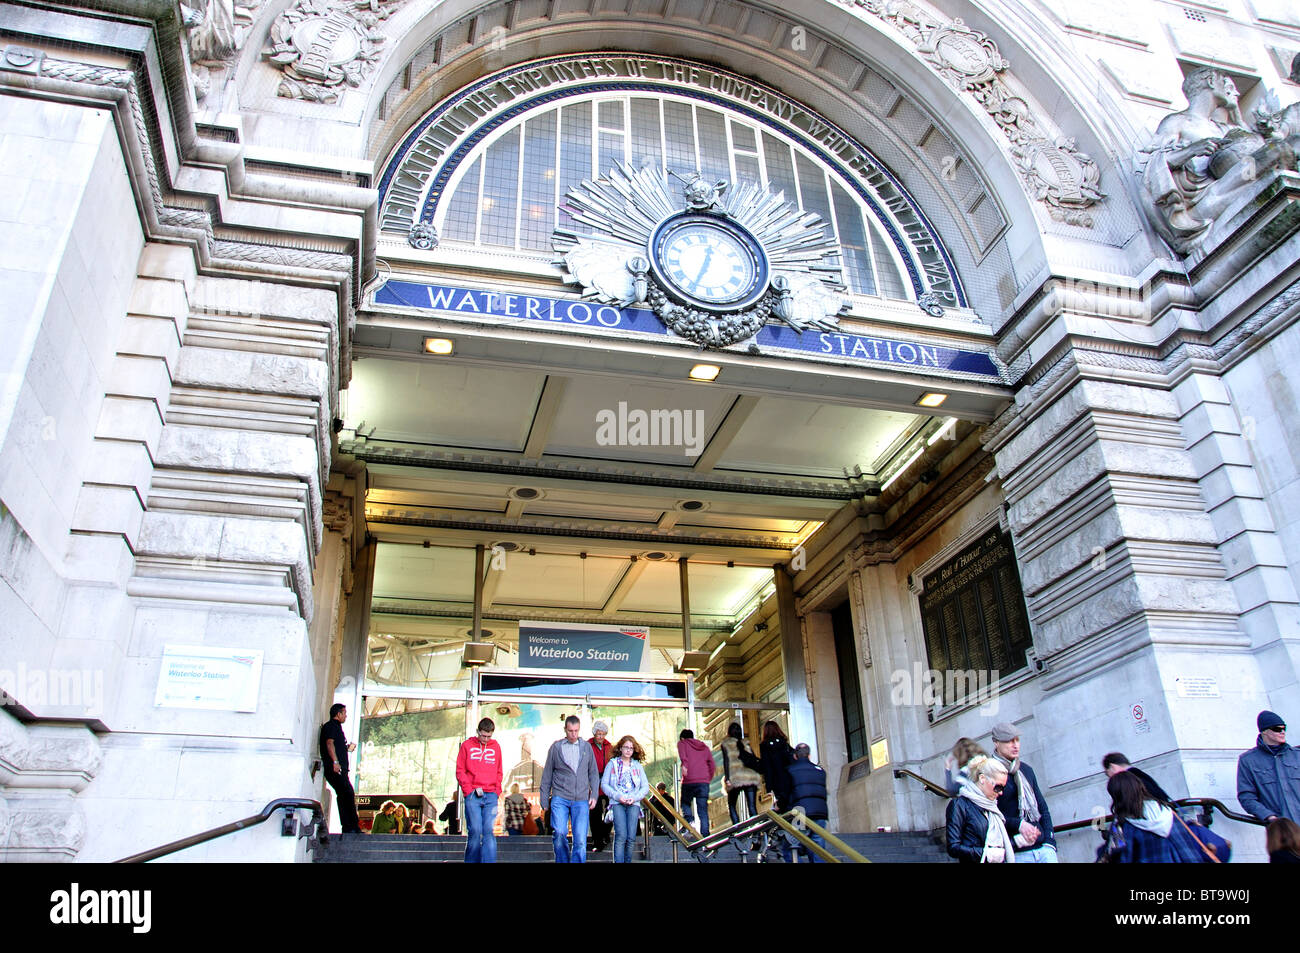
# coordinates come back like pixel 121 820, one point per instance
pixel 282 803
pixel 1208 806
pixel 672 811
pixel 930 786
pixel 669 828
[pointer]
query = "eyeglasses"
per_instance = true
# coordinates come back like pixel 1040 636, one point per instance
pixel 999 788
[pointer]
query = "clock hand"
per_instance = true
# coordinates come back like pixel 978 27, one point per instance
pixel 705 266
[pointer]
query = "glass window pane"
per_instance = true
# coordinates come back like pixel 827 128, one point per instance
pixel 853 239
pixel 538 218
pixel 747 169
pixel 500 191
pixel 679 130
pixel 887 274
pixel 743 137
pixel 575 150
pixel 611 115
pixel 462 213
pixel 713 145
pixel 646 133
pixel 611 152
pixel 780 171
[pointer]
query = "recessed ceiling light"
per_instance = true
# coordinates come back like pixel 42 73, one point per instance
pixel 438 345
pixel 691 505
pixel 931 399
pixel 525 493
pixel 656 555
pixel 705 372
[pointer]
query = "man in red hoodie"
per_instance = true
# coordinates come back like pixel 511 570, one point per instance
pixel 478 772
pixel 697 772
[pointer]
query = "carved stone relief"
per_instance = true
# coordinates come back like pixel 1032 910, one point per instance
pixel 1204 159
pixel 216 30
pixel 1054 170
pixel 326 46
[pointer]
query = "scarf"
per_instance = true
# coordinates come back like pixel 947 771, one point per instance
pixel 997 835
pixel 1156 819
pixel 1024 792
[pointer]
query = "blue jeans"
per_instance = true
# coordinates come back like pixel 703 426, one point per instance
pixel 699 793
pixel 1042 854
pixel 813 858
pixel 751 801
pixel 480 815
pixel 564 811
pixel 625 818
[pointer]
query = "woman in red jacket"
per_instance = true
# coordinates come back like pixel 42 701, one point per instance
pixel 603 750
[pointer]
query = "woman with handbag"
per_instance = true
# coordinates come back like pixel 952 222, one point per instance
pixel 625 784
pixel 740 772
pixel 1147 832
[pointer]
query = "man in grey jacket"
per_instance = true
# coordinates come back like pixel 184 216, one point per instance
pixel 1268 775
pixel 570 784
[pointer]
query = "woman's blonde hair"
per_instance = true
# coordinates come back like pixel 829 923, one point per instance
pixel 982 766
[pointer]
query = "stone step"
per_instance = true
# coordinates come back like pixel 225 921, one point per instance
pixel 903 847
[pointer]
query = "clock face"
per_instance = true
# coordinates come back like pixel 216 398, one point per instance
pixel 709 262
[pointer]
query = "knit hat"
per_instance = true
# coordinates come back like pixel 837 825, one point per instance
pixel 1269 719
pixel 1005 731
pixel 600 726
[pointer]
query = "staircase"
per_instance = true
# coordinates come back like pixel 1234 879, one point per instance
pixel 891 848
pixel 435 849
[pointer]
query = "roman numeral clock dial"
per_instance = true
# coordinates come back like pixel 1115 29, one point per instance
pixel 709 262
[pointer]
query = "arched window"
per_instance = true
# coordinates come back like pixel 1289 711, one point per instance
pixel 509 192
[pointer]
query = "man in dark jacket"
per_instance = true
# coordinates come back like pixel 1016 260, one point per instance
pixel 1268 775
pixel 1029 822
pixel 1115 762
pixel 808 791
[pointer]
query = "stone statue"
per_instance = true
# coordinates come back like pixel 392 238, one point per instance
pixel 1204 158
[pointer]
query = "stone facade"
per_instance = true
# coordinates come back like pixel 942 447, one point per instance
pixel 193 221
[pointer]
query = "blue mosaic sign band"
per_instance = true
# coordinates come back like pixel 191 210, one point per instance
pixel 566 312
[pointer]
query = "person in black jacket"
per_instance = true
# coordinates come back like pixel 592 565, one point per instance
pixel 808 793
pixel 1115 762
pixel 977 832
pixel 775 758
pixel 1029 822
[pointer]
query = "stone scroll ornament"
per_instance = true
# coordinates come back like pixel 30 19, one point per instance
pixel 326 46
pixel 1203 161
pixel 1059 175
pixel 714 264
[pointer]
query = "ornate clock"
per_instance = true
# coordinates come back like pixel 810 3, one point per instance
pixel 715 271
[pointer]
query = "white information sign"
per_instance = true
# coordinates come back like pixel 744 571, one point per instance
pixel 216 679
pixel 1197 686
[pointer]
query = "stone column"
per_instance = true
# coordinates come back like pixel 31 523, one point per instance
pixel 1123 578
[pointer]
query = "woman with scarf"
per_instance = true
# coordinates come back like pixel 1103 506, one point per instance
pixel 977 831
pixel 625 784
pixel 1147 832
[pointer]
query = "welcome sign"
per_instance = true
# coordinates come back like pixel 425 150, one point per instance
pixel 842 347
pixel 592 648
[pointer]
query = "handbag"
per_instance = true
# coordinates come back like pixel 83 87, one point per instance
pixel 1216 844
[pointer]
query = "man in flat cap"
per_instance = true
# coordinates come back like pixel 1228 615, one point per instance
pixel 1029 822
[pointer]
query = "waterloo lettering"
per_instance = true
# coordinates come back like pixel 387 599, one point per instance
pixel 499 305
